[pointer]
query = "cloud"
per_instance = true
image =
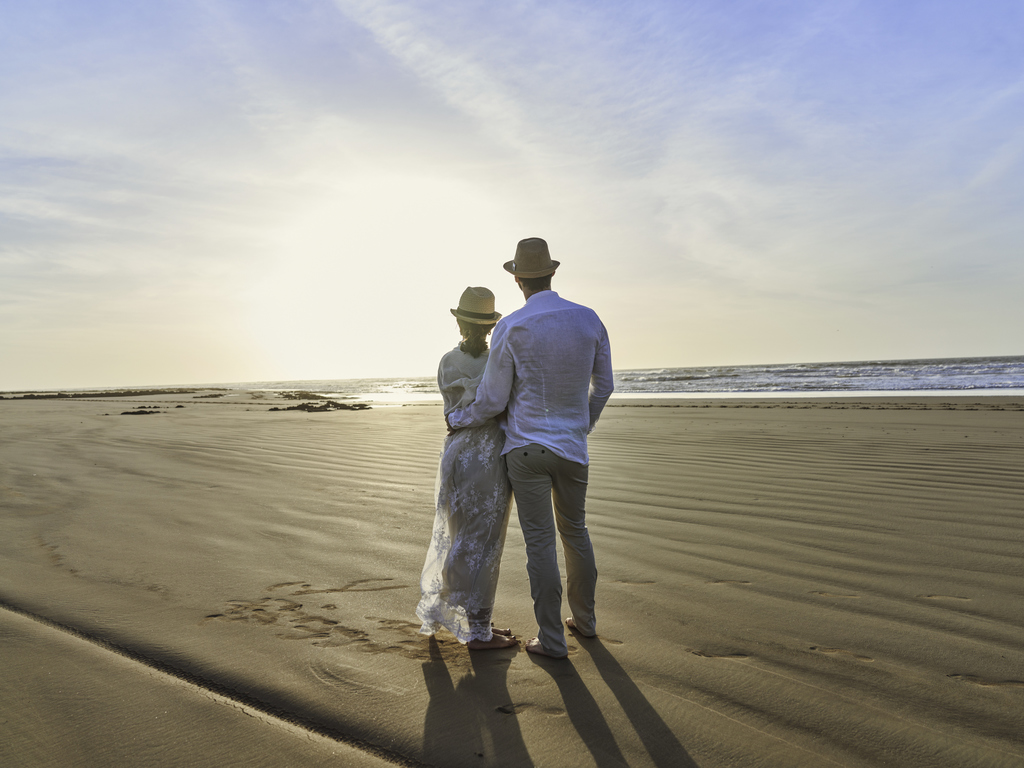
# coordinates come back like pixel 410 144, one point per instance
pixel 242 177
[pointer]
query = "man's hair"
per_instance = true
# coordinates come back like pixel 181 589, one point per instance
pixel 535 284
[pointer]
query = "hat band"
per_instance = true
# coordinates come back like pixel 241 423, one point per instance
pixel 476 315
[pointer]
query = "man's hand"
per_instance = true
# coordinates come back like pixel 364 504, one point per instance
pixel 451 430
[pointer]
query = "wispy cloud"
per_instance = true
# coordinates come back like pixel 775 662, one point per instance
pixel 219 173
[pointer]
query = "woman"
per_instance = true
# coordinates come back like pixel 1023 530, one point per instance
pixel 473 497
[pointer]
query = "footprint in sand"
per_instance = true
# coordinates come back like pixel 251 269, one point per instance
pixel 290 616
pixel 943 597
pixel 988 683
pixel 298 622
pixel 265 610
pixel 397 625
pixel 519 708
pixel 841 652
pixel 359 585
pixel 340 635
pixel 832 594
pixel 727 581
pixel 711 655
pixel 55 557
pixel 632 583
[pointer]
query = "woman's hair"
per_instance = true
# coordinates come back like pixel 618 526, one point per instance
pixel 474 337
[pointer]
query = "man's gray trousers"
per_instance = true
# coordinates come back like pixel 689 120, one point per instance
pixel 539 477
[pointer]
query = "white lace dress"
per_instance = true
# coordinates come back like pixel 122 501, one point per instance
pixel 473 499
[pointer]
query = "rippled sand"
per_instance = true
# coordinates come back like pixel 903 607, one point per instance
pixel 782 583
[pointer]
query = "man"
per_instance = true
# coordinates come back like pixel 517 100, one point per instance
pixel 550 368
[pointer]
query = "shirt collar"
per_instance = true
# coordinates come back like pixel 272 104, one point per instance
pixel 541 293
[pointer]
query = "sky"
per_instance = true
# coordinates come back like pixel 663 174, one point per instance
pixel 204 191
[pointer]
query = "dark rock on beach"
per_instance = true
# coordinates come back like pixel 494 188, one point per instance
pixel 327 405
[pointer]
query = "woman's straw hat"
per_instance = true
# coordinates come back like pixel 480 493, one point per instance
pixel 532 259
pixel 476 305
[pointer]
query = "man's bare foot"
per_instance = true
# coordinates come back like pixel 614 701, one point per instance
pixel 572 625
pixel 496 641
pixel 534 646
pixel 502 632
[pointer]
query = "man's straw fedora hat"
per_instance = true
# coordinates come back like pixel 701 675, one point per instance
pixel 532 259
pixel 476 305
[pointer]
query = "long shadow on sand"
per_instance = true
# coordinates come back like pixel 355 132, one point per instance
pixel 584 712
pixel 473 722
pixel 659 741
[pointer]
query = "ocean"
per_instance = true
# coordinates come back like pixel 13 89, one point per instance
pixel 970 375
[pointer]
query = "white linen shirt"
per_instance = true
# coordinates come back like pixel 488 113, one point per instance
pixel 550 365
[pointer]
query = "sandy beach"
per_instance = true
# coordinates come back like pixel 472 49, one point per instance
pixel 786 583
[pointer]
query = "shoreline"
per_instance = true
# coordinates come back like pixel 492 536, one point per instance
pixel 235 395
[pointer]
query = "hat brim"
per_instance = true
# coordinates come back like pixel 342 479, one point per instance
pixel 488 320
pixel 510 266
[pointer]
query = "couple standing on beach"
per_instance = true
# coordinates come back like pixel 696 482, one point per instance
pixel 518 417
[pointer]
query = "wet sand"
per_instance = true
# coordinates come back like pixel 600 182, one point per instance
pixel 782 583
